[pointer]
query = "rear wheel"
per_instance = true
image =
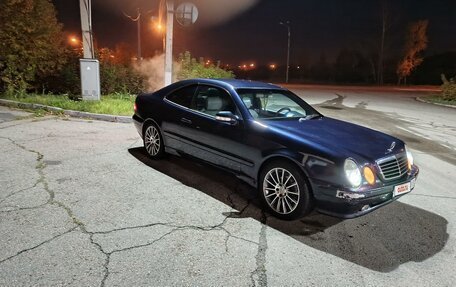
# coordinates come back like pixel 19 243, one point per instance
pixel 284 190
pixel 153 141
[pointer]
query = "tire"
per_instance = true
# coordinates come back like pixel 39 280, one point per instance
pixel 153 141
pixel 284 191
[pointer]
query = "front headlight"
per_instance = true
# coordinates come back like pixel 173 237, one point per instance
pixel 409 158
pixel 352 172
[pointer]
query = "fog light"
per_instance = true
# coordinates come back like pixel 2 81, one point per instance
pixel 365 207
pixel 369 175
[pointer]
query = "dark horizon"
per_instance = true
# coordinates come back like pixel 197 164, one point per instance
pixel 318 28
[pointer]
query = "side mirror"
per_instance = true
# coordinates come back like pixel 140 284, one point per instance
pixel 227 117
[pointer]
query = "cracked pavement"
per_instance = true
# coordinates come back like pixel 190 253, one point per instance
pixel 81 204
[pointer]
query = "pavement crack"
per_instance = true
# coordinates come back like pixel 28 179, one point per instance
pixel 230 235
pixel 146 244
pixel 25 120
pixel 16 192
pixel 175 228
pixel 260 258
pixel 130 228
pixel 21 208
pixel 40 166
pixel 106 254
pixel 38 245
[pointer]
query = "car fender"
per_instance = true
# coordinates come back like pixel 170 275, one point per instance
pixel 294 157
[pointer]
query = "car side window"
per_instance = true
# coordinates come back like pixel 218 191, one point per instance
pixel 183 96
pixel 211 100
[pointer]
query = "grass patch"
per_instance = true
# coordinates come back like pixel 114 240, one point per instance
pixel 438 99
pixel 115 104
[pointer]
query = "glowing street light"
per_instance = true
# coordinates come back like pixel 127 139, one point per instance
pixel 272 66
pixel 157 24
pixel 73 40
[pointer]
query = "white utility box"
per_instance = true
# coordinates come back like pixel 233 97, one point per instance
pixel 90 79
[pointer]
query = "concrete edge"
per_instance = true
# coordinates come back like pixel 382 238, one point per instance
pixel 419 99
pixel 71 113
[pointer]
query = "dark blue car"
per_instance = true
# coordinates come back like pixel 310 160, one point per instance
pixel 273 140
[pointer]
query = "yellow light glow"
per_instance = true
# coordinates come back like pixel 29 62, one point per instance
pixel 272 66
pixel 159 27
pixel 369 175
pixel 73 40
pixel 252 65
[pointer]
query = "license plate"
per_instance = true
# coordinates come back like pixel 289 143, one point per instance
pixel 401 189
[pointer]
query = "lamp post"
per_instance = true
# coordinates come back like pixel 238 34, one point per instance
pixel 287 24
pixel 169 42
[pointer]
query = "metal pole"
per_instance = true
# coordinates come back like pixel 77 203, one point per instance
pixel 288 54
pixel 169 42
pixel 89 67
pixel 287 24
pixel 86 25
pixel 139 35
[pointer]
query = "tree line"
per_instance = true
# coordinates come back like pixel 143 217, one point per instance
pixel 35 55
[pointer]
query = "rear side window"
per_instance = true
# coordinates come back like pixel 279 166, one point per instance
pixel 211 100
pixel 182 96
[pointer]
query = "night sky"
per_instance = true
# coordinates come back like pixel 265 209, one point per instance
pixel 318 27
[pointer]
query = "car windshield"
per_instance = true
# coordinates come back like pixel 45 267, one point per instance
pixel 275 104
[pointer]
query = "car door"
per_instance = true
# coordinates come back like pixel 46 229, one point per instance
pixel 212 140
pixel 174 125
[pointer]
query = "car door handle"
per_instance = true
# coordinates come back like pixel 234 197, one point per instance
pixel 186 121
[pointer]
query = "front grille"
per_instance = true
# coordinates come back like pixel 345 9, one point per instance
pixel 393 167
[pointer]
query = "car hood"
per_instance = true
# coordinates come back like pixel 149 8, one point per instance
pixel 335 135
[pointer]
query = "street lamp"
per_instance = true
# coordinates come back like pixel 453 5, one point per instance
pixel 73 40
pixel 287 24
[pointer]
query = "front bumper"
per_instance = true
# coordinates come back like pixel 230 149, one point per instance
pixel 347 204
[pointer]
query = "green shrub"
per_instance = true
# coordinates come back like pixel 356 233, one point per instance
pixel 115 77
pixel 448 89
pixel 191 68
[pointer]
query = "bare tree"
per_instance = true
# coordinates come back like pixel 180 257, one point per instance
pixel 386 25
pixel 416 42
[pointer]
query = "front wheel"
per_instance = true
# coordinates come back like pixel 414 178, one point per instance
pixel 284 191
pixel 153 141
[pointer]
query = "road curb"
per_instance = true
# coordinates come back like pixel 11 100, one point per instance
pixel 432 103
pixel 71 113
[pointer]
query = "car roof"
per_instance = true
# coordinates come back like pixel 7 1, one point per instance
pixel 239 84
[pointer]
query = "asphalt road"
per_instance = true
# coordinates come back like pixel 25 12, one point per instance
pixel 82 205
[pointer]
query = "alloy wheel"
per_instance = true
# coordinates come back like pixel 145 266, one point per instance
pixel 281 190
pixel 152 140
